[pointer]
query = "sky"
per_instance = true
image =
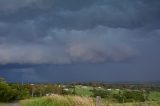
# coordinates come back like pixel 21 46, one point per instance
pixel 79 40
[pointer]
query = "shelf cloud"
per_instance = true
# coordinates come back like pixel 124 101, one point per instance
pixel 69 32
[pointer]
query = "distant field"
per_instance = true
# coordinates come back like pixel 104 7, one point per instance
pixel 83 90
pixel 86 90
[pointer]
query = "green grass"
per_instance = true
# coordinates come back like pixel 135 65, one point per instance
pixel 83 90
pixel 133 104
pixel 154 96
pixel 84 100
pixel 58 100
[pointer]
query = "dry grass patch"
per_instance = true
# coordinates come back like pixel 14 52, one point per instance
pixel 58 100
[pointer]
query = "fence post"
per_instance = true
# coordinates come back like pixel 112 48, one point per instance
pixel 98 101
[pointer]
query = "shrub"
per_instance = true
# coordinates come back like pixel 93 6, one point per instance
pixel 6 93
pixel 100 92
pixel 130 96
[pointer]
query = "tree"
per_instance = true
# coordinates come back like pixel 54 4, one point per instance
pixel 6 93
pixel 21 90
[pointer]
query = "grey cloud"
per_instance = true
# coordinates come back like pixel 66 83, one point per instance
pixel 11 6
pixel 133 14
pixel 31 54
pixel 62 46
pixel 122 34
pixel 87 14
pixel 98 31
pixel 95 45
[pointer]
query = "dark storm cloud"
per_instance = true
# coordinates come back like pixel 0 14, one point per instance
pixel 10 6
pixel 82 14
pixel 74 31
pixel 18 66
pixel 133 14
pixel 57 40
pixel 84 73
pixel 68 46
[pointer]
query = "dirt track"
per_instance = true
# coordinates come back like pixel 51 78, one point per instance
pixel 10 104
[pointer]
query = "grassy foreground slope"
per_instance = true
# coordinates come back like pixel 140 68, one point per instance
pixel 58 101
pixel 77 101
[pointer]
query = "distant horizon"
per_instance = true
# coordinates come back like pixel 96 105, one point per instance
pixel 103 82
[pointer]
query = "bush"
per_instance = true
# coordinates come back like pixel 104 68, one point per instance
pixel 130 96
pixel 101 93
pixel 120 97
pixel 6 93
pixel 137 96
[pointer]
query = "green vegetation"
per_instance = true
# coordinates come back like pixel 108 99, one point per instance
pixel 6 93
pixel 83 93
pixel 77 101
pixel 57 100
pixel 83 90
pixel 154 96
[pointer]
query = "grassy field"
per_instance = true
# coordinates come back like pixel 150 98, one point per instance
pixel 83 90
pixel 84 99
pixel 77 101
pixel 154 96
pixel 59 101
